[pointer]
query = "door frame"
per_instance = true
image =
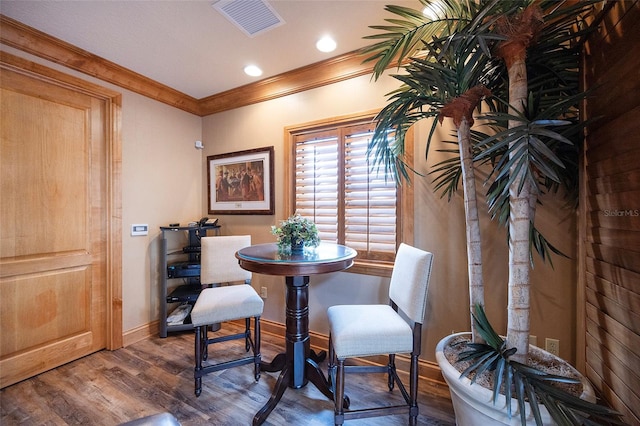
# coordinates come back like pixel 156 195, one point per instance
pixel 113 167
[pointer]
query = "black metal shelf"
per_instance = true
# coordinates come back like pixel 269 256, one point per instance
pixel 185 268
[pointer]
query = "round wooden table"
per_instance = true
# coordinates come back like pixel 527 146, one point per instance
pixel 298 364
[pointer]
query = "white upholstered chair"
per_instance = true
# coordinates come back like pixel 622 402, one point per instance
pixel 370 330
pixel 225 303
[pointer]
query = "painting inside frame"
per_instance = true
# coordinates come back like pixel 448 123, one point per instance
pixel 241 182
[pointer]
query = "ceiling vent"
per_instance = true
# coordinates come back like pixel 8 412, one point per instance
pixel 253 17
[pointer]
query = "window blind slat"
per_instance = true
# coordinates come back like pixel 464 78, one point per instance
pixel 368 198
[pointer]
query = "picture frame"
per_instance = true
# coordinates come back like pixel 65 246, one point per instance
pixel 241 182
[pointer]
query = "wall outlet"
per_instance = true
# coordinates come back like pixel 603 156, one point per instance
pixel 263 292
pixel 552 346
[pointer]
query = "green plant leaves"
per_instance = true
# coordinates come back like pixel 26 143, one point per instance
pixel 454 52
pixel 296 229
pixel 530 385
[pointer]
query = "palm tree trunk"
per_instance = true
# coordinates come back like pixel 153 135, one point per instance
pixel 461 110
pixel 518 324
pixel 520 30
pixel 474 246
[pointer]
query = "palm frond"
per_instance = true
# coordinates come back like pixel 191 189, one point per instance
pixel 405 38
pixel 535 146
pixel 532 386
pixel 411 33
pixel 455 54
pixel 428 84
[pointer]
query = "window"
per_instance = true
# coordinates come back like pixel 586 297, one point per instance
pixel 351 202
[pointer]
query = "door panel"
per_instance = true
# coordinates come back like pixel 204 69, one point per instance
pixel 45 143
pixel 53 225
pixel 43 305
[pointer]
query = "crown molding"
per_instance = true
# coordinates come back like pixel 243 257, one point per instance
pixel 27 39
pixel 30 40
pixel 319 74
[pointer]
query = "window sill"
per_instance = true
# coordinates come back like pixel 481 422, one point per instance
pixel 378 269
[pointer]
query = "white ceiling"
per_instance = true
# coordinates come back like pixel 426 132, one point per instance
pixel 189 46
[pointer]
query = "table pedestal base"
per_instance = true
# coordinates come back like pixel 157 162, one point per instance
pixel 299 364
pixel 313 373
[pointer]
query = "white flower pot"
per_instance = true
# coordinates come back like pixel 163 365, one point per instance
pixel 473 403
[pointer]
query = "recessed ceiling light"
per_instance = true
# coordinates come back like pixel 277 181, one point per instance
pixel 326 44
pixel 253 71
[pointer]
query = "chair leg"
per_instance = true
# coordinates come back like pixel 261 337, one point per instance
pixel 198 361
pixel 338 394
pixel 247 334
pixel 391 369
pixel 413 391
pixel 331 365
pixel 257 357
pixel 204 330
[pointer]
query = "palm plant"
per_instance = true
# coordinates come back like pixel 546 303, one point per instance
pixel 522 55
pixel 531 151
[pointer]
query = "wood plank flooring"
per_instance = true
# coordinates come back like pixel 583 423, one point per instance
pixel 156 375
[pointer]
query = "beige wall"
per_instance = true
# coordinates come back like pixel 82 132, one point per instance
pixel 439 226
pixel 161 184
pixel 164 180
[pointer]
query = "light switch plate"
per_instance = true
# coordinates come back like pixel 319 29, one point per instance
pixel 139 229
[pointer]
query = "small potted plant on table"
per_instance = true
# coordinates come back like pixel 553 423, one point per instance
pixel 296 233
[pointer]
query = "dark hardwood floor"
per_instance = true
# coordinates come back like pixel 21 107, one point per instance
pixel 156 375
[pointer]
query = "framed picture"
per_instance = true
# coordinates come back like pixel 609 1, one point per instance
pixel 241 182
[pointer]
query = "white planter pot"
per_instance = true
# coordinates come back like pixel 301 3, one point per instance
pixel 473 404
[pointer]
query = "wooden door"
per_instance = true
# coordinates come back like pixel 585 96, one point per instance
pixel 54 224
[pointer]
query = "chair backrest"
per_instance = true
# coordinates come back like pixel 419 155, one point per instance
pixel 410 281
pixel 218 263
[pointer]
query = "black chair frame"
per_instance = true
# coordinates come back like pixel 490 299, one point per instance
pixel 202 342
